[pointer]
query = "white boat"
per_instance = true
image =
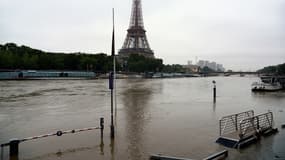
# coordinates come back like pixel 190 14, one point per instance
pixel 269 87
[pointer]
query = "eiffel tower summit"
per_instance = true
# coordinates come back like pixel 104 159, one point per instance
pixel 136 40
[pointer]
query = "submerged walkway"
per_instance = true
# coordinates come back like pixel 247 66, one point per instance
pixel 243 128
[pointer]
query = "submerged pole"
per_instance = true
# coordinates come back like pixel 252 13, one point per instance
pixel 102 127
pixel 14 147
pixel 214 91
pixel 112 75
pixel 102 133
pixel 111 78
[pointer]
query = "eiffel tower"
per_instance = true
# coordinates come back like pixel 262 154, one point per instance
pixel 136 41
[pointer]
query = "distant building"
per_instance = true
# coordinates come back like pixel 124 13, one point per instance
pixel 207 63
pixel 201 63
pixel 189 62
pixel 212 65
pixel 220 68
pixel 190 68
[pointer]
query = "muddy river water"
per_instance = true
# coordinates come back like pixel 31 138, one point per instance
pixel 175 117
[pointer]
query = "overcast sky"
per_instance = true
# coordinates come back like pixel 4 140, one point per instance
pixel 241 34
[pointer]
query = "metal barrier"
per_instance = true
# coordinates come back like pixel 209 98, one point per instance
pixel 230 124
pixel 248 127
pixel 14 143
pixel 256 124
pixel 241 129
pixel 265 121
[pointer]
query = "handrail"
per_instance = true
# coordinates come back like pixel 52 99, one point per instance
pixel 259 123
pixel 236 119
pixel 246 124
pixel 14 143
pixel 224 126
pixel 249 111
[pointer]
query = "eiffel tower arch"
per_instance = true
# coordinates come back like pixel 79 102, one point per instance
pixel 136 40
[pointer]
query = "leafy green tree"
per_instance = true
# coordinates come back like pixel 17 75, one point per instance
pixel 281 69
pixel 278 69
pixel 24 57
pixel 139 63
pixel 174 68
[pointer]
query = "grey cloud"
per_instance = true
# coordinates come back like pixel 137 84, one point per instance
pixel 251 31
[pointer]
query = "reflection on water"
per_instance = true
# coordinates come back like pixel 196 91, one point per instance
pixel 135 101
pixel 269 95
pixel 60 153
pixel 175 117
pixel 214 107
pixel 112 148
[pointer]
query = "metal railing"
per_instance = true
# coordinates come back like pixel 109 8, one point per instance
pixel 14 143
pixel 265 121
pixel 230 124
pixel 248 127
pixel 256 124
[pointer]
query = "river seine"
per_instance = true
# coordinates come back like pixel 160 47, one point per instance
pixel 174 117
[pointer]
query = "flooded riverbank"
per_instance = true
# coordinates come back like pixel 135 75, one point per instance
pixel 175 117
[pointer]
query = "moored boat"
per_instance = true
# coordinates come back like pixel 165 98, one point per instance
pixel 266 87
pixel 269 84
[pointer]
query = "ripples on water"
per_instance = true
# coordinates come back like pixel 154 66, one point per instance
pixel 174 117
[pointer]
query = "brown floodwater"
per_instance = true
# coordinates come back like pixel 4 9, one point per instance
pixel 174 117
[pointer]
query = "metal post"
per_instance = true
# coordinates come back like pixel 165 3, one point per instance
pixel 112 79
pixel 112 116
pixel 111 86
pixel 14 147
pixel 236 123
pixel 214 90
pixel 102 126
pixel 102 141
pixel 2 152
pixel 220 127
pixel 257 123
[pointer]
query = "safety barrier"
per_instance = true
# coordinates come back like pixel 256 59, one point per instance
pixel 230 124
pixel 248 127
pixel 256 124
pixel 14 143
pixel 241 129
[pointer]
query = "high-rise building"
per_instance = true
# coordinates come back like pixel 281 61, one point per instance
pixel 201 63
pixel 136 40
pixel 212 65
pixel 220 67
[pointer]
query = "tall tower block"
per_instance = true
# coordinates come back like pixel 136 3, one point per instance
pixel 136 41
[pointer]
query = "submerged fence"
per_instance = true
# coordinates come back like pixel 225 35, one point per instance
pixel 230 124
pixel 256 124
pixel 239 130
pixel 245 124
pixel 14 143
